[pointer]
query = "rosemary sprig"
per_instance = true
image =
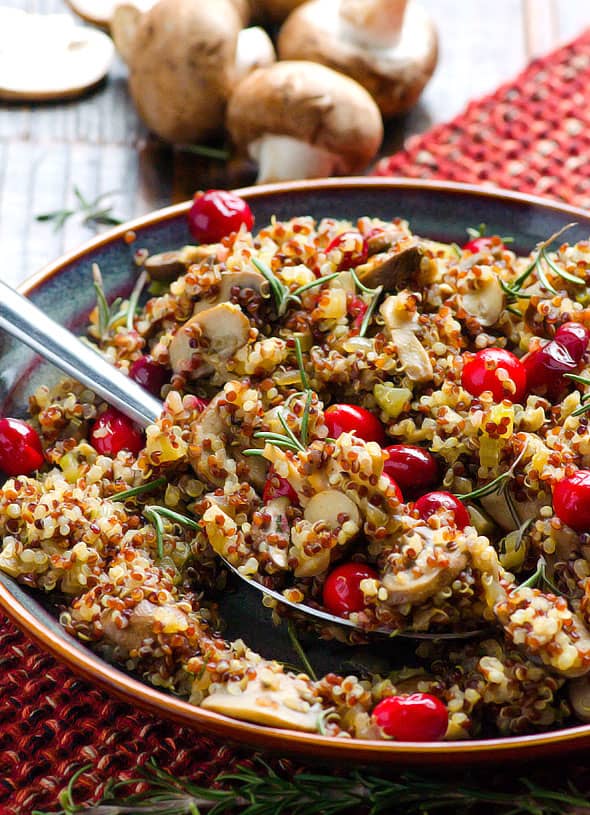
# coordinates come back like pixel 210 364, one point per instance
pixel 290 440
pixel 92 212
pixel 305 417
pixel 314 283
pixel 281 294
pixel 375 295
pixel 496 485
pixel 110 315
pixel 149 486
pixel 539 259
pixel 258 789
pixel 539 579
pixel 299 355
pixel 155 513
pixel 298 648
pixel 134 299
pixel 581 380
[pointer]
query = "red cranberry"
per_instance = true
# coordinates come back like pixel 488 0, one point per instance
pixel 487 370
pixel 216 214
pixel 149 374
pixel 344 418
pixel 574 337
pixel 484 243
pixel 432 502
pixel 21 452
pixel 353 248
pixel 278 487
pixel 342 594
pixel 113 431
pixel 545 368
pixel 416 717
pixel 571 500
pixel 412 467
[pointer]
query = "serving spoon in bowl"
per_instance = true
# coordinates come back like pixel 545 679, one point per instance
pixel 20 318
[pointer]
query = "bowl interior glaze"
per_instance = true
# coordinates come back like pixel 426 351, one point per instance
pixel 64 291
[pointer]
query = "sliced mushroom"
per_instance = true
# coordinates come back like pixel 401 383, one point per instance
pixel 244 279
pixel 393 269
pixel 485 301
pixel 279 527
pixel 273 698
pixel 332 507
pixel 48 56
pixel 208 338
pixel 168 266
pixel 402 324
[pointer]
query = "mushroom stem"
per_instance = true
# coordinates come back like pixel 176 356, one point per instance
pixel 254 49
pixel 373 23
pixel 283 158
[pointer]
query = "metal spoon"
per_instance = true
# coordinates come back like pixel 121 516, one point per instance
pixel 24 321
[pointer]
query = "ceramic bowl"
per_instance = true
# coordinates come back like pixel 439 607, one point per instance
pixel 63 290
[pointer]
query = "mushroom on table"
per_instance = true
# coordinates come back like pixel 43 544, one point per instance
pixel 389 46
pixel 184 59
pixel 303 120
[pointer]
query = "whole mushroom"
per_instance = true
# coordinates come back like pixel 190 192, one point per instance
pixel 303 120
pixel 389 46
pixel 184 58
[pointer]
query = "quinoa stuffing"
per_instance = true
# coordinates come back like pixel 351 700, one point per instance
pixel 365 420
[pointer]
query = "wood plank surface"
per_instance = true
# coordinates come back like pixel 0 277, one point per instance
pixel 98 144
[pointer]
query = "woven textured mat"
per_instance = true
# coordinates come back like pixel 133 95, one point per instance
pixel 531 135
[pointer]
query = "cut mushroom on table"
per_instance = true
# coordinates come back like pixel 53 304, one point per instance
pixel 389 46
pixel 303 120
pixel 184 58
pixel 46 57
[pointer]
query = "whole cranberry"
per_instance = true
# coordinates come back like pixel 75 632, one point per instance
pixel 571 500
pixel 432 502
pixel 113 431
pixel 412 467
pixel 21 452
pixel 415 717
pixel 545 369
pixel 342 593
pixel 215 214
pixel 149 374
pixel 498 371
pixel 574 337
pixel 345 418
pixel 353 247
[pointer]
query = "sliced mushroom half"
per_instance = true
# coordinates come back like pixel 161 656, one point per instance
pixel 49 57
pixel 402 325
pixel 208 339
pixel 392 269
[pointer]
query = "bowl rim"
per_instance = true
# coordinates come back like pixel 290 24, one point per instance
pixel 303 745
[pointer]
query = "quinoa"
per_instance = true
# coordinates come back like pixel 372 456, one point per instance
pixel 242 464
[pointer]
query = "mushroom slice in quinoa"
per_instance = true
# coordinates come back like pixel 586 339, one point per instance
pixel 483 297
pixel 272 697
pixel 270 531
pixel 208 339
pixel 167 266
pixel 393 269
pixel 401 319
pixel 242 279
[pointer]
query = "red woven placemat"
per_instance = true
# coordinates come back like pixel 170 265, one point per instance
pixel 531 135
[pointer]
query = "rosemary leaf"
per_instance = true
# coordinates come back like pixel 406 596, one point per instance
pixel 158 524
pixel 362 287
pixel 297 647
pixel 299 354
pixel 104 312
pixel 184 520
pixel 369 311
pixel 541 274
pixel 149 486
pixel 134 299
pixel 289 432
pixel 572 278
pixel 305 418
pixel 314 283
pixel 280 293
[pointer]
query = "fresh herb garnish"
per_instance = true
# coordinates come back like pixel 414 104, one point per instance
pixel 280 293
pixel 290 440
pixel 540 259
pixel 375 295
pixel 299 355
pixel 297 647
pixel 496 485
pixel 539 580
pixel 258 789
pixel 110 315
pixel 134 299
pixel 149 486
pixel 154 513
pixel 93 212
pixel 581 380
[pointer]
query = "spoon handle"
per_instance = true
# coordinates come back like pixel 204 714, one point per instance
pixel 24 321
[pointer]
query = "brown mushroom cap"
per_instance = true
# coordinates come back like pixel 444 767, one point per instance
pixel 395 77
pixel 181 67
pixel 309 102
